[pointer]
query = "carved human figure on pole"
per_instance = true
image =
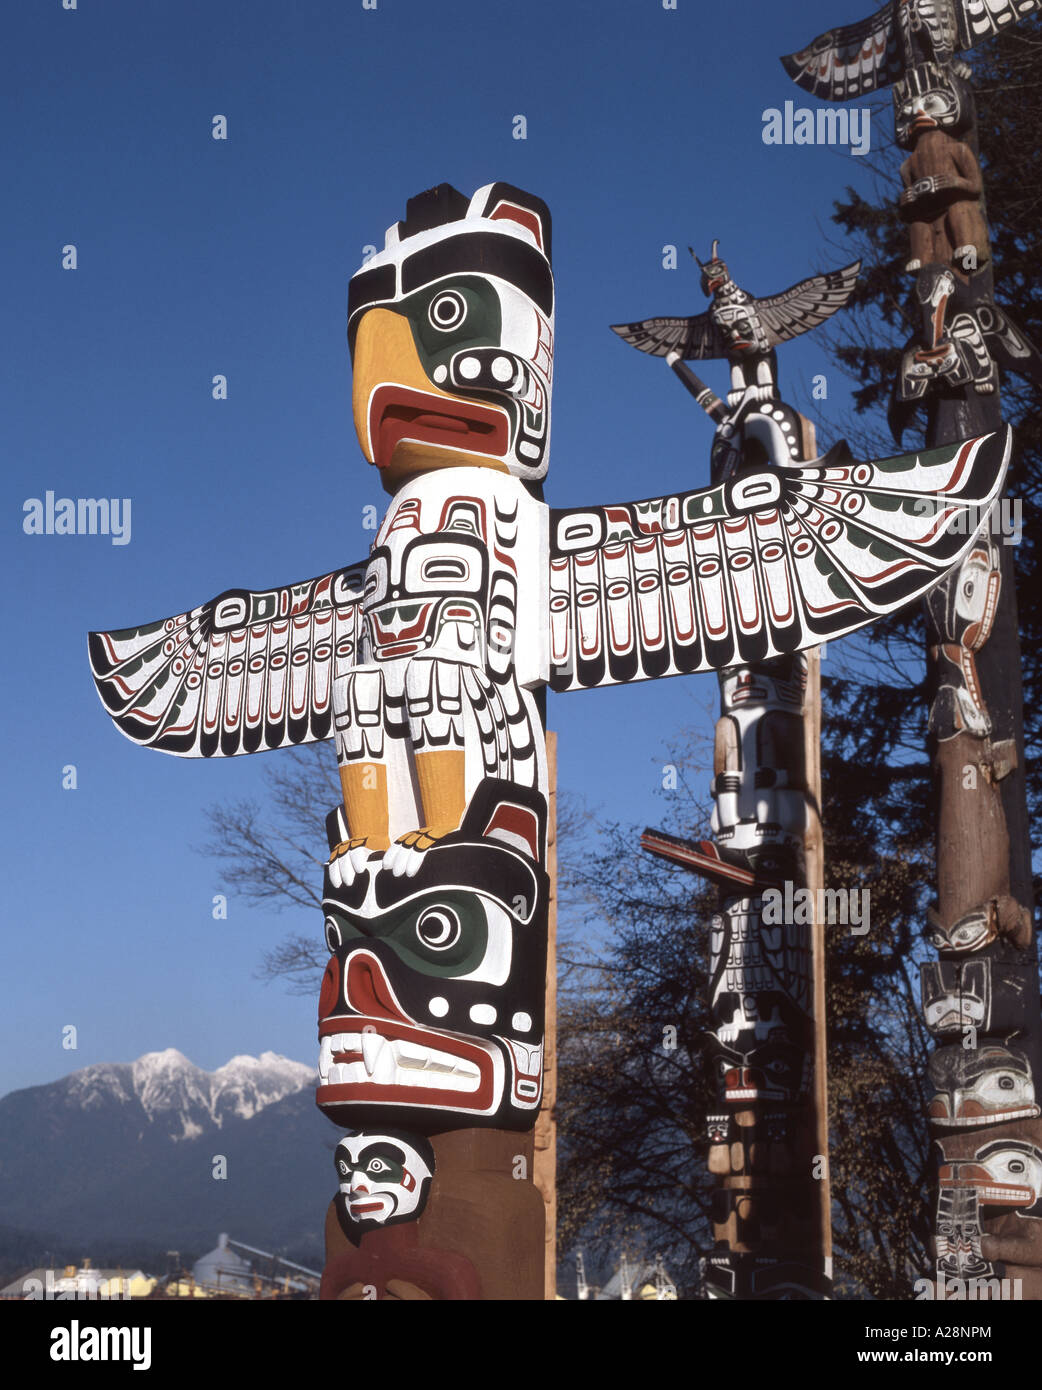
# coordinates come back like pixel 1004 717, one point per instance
pixel 941 200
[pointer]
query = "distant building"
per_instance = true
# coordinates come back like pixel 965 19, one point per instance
pixel 643 1281
pixel 85 1282
pixel 223 1271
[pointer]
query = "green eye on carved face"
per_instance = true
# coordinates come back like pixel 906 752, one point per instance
pixel 441 934
pixel 446 935
pixel 463 312
pixel 447 311
pixel 438 928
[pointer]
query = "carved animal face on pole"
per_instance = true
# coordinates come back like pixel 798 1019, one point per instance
pixel 1003 1172
pixel 930 97
pixel 431 1011
pixel 451 336
pixel 985 995
pixel 964 614
pixel 715 274
pixel 980 1086
pixel 383 1179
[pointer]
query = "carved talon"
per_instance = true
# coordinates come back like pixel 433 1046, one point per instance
pixel 399 859
pixel 426 836
pixel 348 859
pixel 345 846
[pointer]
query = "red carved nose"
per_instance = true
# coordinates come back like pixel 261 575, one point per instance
pixel 329 994
pixel 368 989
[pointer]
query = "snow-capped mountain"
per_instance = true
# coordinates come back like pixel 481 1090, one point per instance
pixel 171 1089
pixel 130 1149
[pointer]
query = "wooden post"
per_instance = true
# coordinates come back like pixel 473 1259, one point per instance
pixel 982 923
pixel 814 861
pixel 768 1140
pixel 814 852
pixel 544 1170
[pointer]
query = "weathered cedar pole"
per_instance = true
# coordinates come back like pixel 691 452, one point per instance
pixel 769 1148
pixel 544 1171
pixel 981 999
pixel 771 1209
pixel 814 852
pixel 494 1196
pixel 983 849
pixel 814 868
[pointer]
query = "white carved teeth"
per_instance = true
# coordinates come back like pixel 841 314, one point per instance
pixel 393 1062
pixel 409 1055
pixel 372 1046
pixel 1004 1194
pixel 385 1071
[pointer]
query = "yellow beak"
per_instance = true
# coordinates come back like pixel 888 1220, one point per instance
pixel 407 425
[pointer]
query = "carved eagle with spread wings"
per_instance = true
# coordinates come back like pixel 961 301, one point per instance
pixel 475 590
pixel 770 561
pixel 737 326
pixel 854 59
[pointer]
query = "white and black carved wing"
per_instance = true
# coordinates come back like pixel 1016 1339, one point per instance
pixel 769 562
pixel 981 19
pixel 240 674
pixel 694 338
pixel 1007 342
pixel 849 61
pixel 807 304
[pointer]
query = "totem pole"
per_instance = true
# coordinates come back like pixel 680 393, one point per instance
pixel 425 663
pixel 981 998
pixel 767 1217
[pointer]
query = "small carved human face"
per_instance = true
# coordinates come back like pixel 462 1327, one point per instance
pixel 383 1179
pixel 970 933
pixel 741 330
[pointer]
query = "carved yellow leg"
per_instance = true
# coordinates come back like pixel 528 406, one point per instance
pixel 365 802
pixel 441 773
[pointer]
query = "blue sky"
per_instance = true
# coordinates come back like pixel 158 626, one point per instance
pixel 198 257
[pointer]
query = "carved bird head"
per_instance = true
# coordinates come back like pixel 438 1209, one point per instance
pixel 714 271
pixel 451 335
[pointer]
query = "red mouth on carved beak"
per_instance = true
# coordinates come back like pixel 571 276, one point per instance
pixel 398 412
pixel 404 422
